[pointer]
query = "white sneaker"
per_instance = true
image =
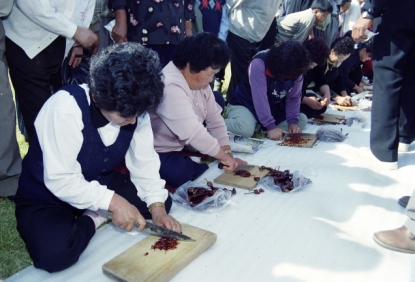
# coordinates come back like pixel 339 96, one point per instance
pixel 366 154
pixel 403 147
pixel 99 217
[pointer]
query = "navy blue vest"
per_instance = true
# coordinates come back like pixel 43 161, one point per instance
pixel 97 160
pixel 276 93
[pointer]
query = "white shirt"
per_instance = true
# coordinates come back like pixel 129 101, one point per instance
pixel 59 125
pixel 35 24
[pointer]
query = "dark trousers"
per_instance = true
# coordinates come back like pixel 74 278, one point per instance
pixel 35 80
pixel 243 51
pixel 56 236
pixel 394 80
pixel 177 169
pixel 165 52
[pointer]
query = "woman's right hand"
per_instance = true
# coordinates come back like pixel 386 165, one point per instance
pixel 230 163
pixel 125 215
pixel 276 134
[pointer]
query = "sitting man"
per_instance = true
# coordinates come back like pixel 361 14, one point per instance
pixel 326 80
pixel 68 182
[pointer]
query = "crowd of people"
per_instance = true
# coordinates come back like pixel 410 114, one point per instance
pixel 149 102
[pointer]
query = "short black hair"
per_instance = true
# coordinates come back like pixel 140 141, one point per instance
pixel 287 60
pixel 344 2
pixel 318 50
pixel 343 45
pixel 201 51
pixel 126 78
pixel 323 6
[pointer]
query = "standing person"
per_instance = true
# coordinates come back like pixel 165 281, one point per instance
pixel 401 239
pixel 10 164
pixel 189 118
pixel 159 25
pixel 299 26
pixel 394 83
pixel 271 93
pixel 83 132
pixel 329 29
pixel 39 34
pixel 214 19
pixel 249 23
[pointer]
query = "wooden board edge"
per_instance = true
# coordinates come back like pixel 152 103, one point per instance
pixel 236 185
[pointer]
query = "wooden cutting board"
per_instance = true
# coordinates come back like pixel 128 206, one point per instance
pixel 134 265
pixel 329 118
pixel 344 108
pixel 228 178
pixel 309 140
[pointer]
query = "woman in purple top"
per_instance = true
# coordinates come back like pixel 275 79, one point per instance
pixel 271 93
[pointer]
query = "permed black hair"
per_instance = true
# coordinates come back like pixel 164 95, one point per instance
pixel 323 6
pixel 318 50
pixel 343 45
pixel 287 60
pixel 126 78
pixel 201 51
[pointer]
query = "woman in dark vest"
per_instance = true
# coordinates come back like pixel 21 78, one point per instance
pixel 271 93
pixel 83 132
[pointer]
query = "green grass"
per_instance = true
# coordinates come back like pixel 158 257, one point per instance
pixel 13 254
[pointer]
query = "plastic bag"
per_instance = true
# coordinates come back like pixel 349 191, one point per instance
pixel 299 181
pixel 242 144
pixel 365 104
pixel 358 118
pixel 77 75
pixel 218 201
pixel 331 134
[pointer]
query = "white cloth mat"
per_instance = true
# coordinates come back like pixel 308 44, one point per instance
pixel 322 233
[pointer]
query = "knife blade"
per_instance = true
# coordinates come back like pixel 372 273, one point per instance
pixel 241 167
pixel 156 230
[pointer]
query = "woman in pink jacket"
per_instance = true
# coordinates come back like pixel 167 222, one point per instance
pixel 190 118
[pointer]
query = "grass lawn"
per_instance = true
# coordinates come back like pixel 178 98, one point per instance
pixel 13 254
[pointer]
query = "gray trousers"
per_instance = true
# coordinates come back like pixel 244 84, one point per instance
pixel 10 160
pixel 241 121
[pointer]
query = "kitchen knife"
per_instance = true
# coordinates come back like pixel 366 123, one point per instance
pixel 156 230
pixel 241 167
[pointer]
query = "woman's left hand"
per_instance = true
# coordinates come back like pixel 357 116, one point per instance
pixel 161 218
pixel 294 128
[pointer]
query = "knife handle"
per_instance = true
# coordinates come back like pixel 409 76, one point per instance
pixel 221 165
pixel 110 217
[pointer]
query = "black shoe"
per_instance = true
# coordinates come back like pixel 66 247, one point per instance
pixel 404 201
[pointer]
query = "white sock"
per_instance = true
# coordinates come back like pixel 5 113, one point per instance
pixel 99 217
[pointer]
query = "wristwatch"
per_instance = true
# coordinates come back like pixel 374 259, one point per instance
pixel 367 15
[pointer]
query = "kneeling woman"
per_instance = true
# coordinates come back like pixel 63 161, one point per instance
pixel 189 116
pixel 271 93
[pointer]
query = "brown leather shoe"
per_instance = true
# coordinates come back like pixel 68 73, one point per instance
pixel 400 240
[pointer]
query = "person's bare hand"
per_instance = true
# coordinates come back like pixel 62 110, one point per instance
pixel 343 101
pixel 276 134
pixel 161 218
pixel 230 163
pixel 359 28
pixel 75 60
pixel 124 214
pixel 87 38
pixel 294 128
pixel 313 102
pixel 119 31
pixel 325 101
